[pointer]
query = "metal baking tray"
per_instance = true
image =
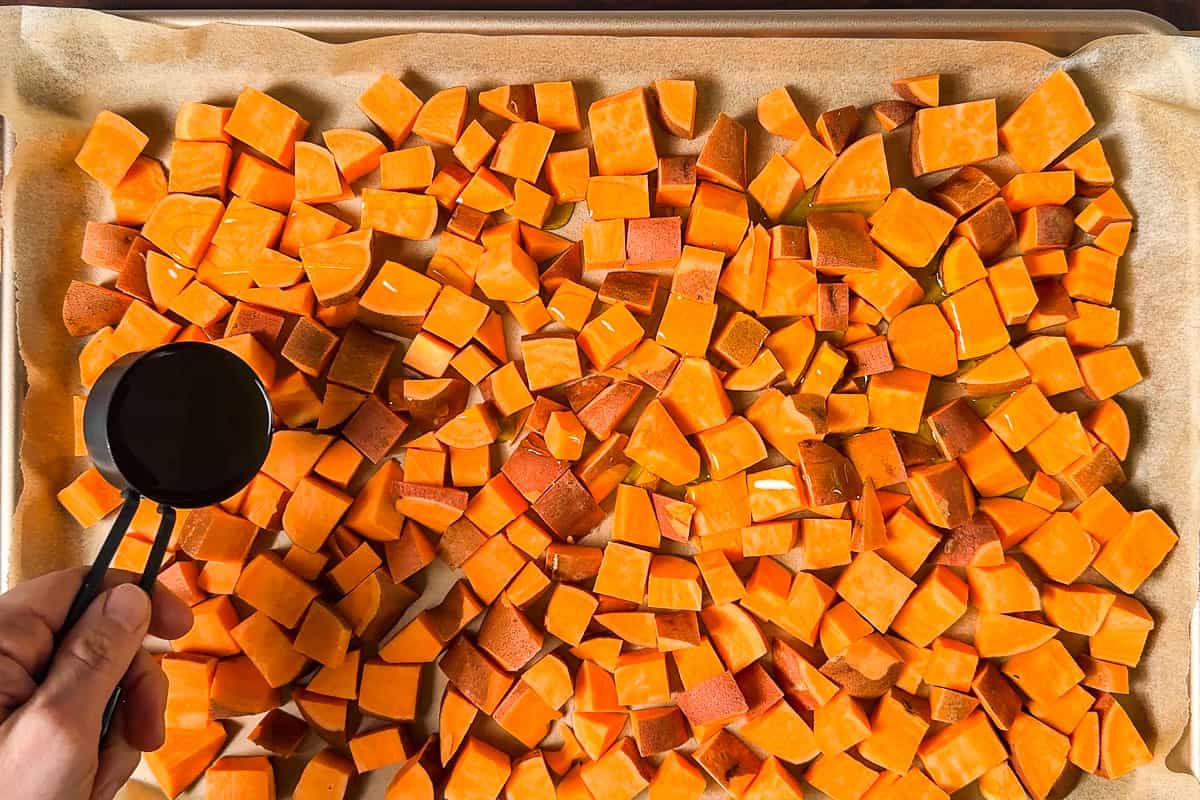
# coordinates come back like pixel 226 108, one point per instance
pixel 1057 31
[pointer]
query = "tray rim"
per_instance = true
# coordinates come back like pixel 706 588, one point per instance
pixel 1070 28
pixel 1081 25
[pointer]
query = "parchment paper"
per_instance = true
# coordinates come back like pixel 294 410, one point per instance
pixel 58 68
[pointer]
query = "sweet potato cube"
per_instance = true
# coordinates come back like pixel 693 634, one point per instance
pixel 777 187
pixel 623 572
pixel 618 197
pixel 490 568
pixel 673 583
pixel 569 613
pixel 1129 557
pixel 729 762
pixel 959 754
pixel 1122 748
pixel 839 242
pixel 891 114
pixel 932 608
pixel 610 336
pixel 525 715
pixel 1021 417
pixel 641 678
pixel 875 589
pixel 1061 548
pixel 480 771
pixel 621 135
pixel 1044 673
pixel 550 360
pixel 737 637
pixel 898 725
pixel 990 229
pixel 323 636
pixel 718 220
pixel 953 135
pixel 1046 123
pixel 509 637
pixel 964 191
pixel 568 508
pixel 532 467
pixel 897 399
pixel 893 225
pixel 435 507
pixel 686 325
pixel 111 147
pixel 658 444
pixel 676 183
pixel 1108 371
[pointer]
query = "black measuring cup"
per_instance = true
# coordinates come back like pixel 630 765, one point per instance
pixel 185 425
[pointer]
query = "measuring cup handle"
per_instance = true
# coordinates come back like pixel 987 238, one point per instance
pixel 166 524
pixel 93 582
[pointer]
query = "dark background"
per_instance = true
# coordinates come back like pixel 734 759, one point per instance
pixel 1184 14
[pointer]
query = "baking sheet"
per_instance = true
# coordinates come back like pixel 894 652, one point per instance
pixel 57 68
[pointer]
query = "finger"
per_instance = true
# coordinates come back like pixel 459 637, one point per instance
pixel 52 594
pixel 32 612
pixel 143 701
pixel 16 684
pixel 95 655
pixel 118 760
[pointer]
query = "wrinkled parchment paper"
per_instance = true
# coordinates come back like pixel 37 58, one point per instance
pixel 58 68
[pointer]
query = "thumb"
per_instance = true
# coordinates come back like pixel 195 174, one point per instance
pixel 95 655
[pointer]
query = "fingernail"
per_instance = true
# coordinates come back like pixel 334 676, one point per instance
pixel 128 606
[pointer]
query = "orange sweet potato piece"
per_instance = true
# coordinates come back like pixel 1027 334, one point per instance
pixel 723 157
pixel 183 225
pixel 326 775
pixel 106 245
pixel 621 134
pixel 891 114
pixel 919 337
pixel 250 777
pixel 954 135
pixel 269 648
pixel 1038 753
pixel 267 125
pixel 139 191
pixel 858 174
pixel 676 106
pixel 200 168
pixel 923 90
pixel 357 153
pixel 184 756
pixel 837 128
pixel 111 147
pixel 962 752
pixel 909 228
pixel 404 214
pixel 965 191
pixel 337 268
pixel 1046 123
pixel 1122 748
pixel 777 113
pixel 238 688
pixel 87 308
pixel 392 106
pixel 556 104
pixel 271 588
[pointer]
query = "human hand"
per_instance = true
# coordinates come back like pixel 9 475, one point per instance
pixel 50 746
